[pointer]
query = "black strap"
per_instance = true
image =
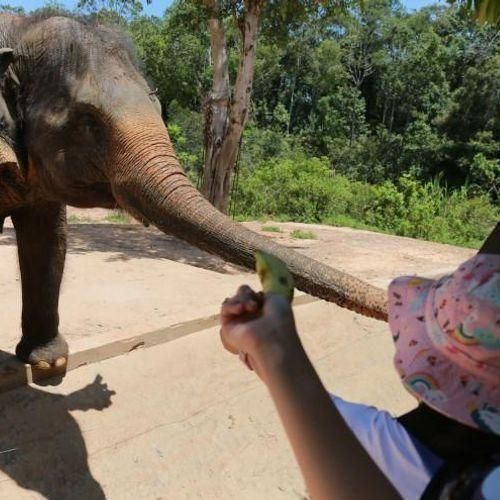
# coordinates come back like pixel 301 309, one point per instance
pixel 446 438
pixel 492 243
pixel 460 479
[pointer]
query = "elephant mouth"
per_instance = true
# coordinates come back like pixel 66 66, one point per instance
pixel 95 195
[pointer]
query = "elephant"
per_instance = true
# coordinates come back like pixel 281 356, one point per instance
pixel 80 126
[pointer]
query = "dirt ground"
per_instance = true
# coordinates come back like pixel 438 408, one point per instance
pixel 355 251
pixel 122 279
pixel 181 419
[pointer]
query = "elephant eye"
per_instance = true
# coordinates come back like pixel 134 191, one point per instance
pixel 88 124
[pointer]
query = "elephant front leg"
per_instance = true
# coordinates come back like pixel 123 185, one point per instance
pixel 41 241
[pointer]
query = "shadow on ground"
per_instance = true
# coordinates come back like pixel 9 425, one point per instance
pixel 134 242
pixel 41 445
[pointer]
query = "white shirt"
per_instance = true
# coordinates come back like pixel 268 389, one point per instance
pixel 406 463
pixel 491 485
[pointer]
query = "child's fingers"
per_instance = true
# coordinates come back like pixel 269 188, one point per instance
pixel 252 301
pixel 245 300
pixel 244 291
pixel 251 306
pixel 231 307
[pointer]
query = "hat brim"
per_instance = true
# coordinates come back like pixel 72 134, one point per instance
pixel 428 373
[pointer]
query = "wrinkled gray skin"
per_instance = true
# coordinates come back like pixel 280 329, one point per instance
pixel 79 126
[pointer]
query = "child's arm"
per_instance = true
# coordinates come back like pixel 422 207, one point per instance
pixel 332 461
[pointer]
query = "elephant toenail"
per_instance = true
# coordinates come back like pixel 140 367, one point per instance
pixel 43 365
pixel 60 362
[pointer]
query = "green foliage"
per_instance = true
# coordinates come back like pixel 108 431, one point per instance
pixel 75 219
pixel 118 218
pixel 298 234
pixel 485 172
pixel 378 91
pixel 429 211
pixel 305 190
pixel 261 144
pixel 52 8
pixel 186 132
pixel 175 57
pixel 11 9
pixel 111 11
pixel 382 93
pixel 354 114
pixel 297 189
pixel 271 229
pixel 484 10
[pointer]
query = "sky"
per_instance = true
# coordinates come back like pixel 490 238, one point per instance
pixel 159 6
pixel 156 8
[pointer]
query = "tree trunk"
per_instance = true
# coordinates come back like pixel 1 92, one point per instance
pixel 226 115
pixel 292 98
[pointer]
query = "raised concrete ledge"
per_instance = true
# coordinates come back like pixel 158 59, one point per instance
pixel 14 374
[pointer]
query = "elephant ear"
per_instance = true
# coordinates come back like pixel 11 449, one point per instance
pixel 9 87
pixel 6 59
pixel 12 181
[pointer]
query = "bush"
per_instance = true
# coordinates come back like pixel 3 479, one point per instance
pixel 271 229
pixel 429 211
pixel 298 234
pixel 484 175
pixel 186 132
pixel 299 189
pixel 260 144
pixel 305 190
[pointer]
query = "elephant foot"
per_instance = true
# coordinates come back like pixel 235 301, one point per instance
pixel 53 353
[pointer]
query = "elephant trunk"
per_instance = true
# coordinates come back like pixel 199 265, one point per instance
pixel 148 182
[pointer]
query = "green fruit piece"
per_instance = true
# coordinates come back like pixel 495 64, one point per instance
pixel 274 275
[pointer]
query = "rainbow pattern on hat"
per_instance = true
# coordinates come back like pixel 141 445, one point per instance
pixel 415 281
pixel 422 382
pixel 448 355
pixel 462 337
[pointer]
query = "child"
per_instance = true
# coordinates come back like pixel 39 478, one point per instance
pixel 447 339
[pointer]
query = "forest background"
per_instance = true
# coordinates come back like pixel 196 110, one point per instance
pixel 372 118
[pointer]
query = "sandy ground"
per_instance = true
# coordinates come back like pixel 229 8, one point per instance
pixel 182 419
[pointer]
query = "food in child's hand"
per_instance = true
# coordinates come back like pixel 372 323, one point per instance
pixel 274 275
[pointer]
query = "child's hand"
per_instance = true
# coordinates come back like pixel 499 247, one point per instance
pixel 260 329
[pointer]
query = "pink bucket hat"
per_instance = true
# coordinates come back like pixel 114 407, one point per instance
pixel 447 337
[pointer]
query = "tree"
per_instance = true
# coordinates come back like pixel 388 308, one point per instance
pixel 10 9
pixel 111 10
pixel 52 8
pixel 378 91
pixel 484 10
pixel 174 51
pixel 226 112
pixel 227 108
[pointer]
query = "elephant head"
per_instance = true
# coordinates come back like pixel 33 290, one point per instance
pixel 92 134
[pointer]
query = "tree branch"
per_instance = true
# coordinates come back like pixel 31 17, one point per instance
pixel 249 26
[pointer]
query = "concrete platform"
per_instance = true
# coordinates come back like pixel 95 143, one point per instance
pixel 125 280
pixel 182 419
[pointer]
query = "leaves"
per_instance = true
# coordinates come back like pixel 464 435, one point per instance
pixel 111 10
pixel 484 10
pixel 386 101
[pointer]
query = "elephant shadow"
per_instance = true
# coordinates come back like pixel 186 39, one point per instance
pixel 41 444
pixel 132 241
